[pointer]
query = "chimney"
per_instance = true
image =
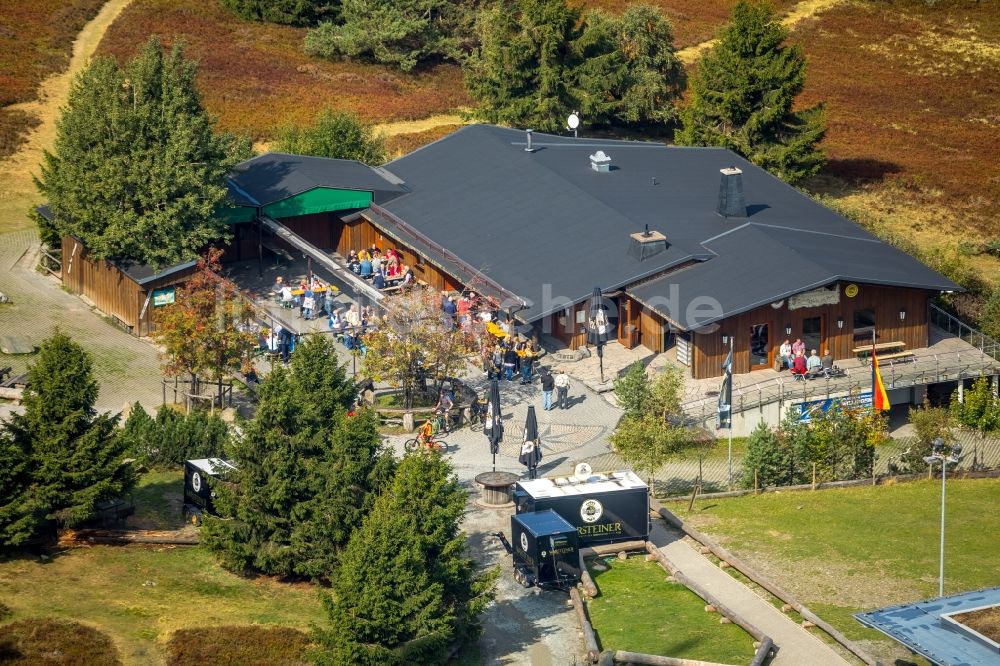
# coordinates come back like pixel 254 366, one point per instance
pixel 529 149
pixel 731 200
pixel 646 244
pixel 600 161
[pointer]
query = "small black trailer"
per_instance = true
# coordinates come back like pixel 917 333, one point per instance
pixel 604 508
pixel 200 478
pixel 545 549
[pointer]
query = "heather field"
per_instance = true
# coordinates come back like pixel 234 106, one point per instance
pixel 255 77
pixel 36 39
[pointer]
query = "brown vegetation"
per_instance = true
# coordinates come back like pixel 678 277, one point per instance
pixel 986 621
pixel 42 642
pixel 238 646
pixel 254 77
pixel 912 99
pixel 36 39
pixel 397 145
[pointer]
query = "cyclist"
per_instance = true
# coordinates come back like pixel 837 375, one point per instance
pixel 425 436
pixel 443 409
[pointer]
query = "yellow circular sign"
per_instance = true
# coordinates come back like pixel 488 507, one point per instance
pixel 851 290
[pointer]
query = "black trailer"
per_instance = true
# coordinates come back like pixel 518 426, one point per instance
pixel 546 550
pixel 200 478
pixel 604 508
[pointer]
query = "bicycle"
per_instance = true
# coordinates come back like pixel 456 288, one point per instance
pixel 477 415
pixel 439 444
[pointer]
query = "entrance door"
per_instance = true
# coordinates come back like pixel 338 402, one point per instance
pixel 760 346
pixel 812 334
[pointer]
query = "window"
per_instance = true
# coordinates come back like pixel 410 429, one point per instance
pixel 864 324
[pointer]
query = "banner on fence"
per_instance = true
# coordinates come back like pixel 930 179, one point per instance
pixel 855 400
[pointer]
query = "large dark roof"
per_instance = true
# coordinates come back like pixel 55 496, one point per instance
pixel 272 177
pixel 549 228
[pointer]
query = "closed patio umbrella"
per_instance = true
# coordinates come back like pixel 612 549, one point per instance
pixel 493 427
pixel 531 450
pixel 597 331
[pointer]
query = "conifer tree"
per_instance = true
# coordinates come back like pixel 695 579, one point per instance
pixel 320 381
pixel 743 97
pixel 405 589
pixel 287 12
pixel 74 455
pixel 20 513
pixel 137 172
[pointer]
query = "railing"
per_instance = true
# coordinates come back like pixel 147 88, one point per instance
pixel 51 261
pixel 963 331
pixel 927 368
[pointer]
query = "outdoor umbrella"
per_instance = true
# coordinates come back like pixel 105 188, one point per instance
pixel 597 333
pixel 531 450
pixel 493 426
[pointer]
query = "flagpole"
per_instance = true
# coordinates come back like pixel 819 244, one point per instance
pixel 730 420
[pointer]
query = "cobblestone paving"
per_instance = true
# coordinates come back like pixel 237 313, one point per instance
pixel 127 368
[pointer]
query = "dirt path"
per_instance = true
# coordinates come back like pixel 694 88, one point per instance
pixel 803 10
pixel 17 189
pixel 422 125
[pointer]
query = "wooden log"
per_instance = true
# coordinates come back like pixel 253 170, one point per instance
pixel 709 608
pixel 724 565
pixel 725 620
pixel 622 555
pixel 764 649
pixel 786 607
pixel 589 587
pixel 613 548
pixel 806 624
pixel 589 638
pixel 15 394
pixel 623 657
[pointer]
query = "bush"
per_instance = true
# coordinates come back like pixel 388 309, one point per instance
pixel 334 134
pixel 981 409
pixel 172 437
pixel 632 390
pixel 237 646
pixel 40 642
pixel 767 457
pixel 285 12
pixel 929 423
pixel 989 317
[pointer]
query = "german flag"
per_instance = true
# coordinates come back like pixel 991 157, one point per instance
pixel 880 400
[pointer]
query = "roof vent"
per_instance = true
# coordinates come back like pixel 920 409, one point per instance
pixel 528 148
pixel 600 161
pixel 731 200
pixel 646 244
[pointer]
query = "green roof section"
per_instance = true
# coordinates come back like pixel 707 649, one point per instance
pixel 318 200
pixel 236 214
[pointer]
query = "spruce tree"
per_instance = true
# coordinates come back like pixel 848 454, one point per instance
pixel 20 512
pixel 743 96
pixel 286 12
pixel 320 381
pixel 405 589
pixel 76 458
pixel 137 172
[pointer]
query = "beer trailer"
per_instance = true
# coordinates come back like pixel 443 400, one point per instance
pixel 200 477
pixel 545 550
pixel 604 508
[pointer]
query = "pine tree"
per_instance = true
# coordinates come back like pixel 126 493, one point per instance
pixel 404 33
pixel 286 12
pixel 334 134
pixel 137 172
pixel 405 589
pixel 743 96
pixel 75 456
pixel 320 381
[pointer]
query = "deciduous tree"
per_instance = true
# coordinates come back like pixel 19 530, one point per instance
pixel 334 134
pixel 73 455
pixel 137 171
pixel 744 93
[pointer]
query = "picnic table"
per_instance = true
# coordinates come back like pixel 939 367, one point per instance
pixel 893 350
pixel 495 330
pixel 317 290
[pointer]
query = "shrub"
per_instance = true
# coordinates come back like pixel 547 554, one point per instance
pixel 334 134
pixel 173 437
pixel 632 390
pixel 42 642
pixel 980 410
pixel 929 423
pixel 766 456
pixel 237 646
pixel 285 12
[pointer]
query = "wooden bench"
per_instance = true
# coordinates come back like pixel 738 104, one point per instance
pixel 880 347
pixel 903 355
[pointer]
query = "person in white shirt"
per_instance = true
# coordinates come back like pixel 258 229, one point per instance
pixel 562 390
pixel 353 317
pixel 785 352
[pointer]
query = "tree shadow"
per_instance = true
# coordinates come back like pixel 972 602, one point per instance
pixel 860 169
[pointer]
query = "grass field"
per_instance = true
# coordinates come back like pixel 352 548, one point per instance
pixel 158 497
pixel 254 77
pixel 843 551
pixel 639 611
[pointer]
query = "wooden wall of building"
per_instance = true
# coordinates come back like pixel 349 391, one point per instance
pixel 363 234
pixel 110 290
pixel 708 352
pixel 324 230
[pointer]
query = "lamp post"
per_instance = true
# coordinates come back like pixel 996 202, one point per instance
pixel 938 455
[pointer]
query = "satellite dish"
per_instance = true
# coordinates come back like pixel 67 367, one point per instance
pixel 582 472
pixel 573 121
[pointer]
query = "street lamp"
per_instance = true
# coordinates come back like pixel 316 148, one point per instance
pixel 938 455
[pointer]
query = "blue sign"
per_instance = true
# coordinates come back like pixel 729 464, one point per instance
pixel 855 400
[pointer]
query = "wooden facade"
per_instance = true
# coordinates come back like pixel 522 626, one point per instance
pixel 361 233
pixel 885 303
pixel 111 290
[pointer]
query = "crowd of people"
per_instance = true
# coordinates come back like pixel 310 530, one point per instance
pixel 385 271
pixel 793 356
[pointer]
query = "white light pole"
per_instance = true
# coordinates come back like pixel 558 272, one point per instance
pixel 938 455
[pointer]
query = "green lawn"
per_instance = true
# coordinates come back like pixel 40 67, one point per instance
pixel 845 550
pixel 159 497
pixel 639 611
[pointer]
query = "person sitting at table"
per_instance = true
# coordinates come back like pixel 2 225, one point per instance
pixel 799 365
pixel 336 323
pixel 366 267
pixel 364 254
pixel 827 360
pixel 353 262
pixel 785 353
pixel 279 282
pixel 407 277
pixel 377 261
pixel 798 347
pixel 378 281
pixel 814 365
pixel 353 317
pixel 287 298
pixel 392 264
